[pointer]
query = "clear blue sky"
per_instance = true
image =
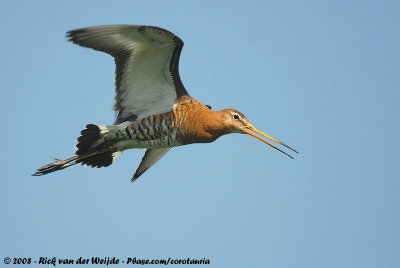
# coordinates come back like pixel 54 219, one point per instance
pixel 322 76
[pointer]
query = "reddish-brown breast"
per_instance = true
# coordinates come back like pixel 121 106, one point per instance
pixel 196 122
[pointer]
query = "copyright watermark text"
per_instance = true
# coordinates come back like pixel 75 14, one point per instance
pixel 54 261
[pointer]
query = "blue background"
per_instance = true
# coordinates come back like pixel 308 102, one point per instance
pixel 322 76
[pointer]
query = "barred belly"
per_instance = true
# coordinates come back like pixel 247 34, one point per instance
pixel 158 131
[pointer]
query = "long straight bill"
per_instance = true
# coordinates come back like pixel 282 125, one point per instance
pixel 250 127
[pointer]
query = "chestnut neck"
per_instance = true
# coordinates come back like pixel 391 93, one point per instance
pixel 198 123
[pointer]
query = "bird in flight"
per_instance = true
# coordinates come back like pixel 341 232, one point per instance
pixel 153 108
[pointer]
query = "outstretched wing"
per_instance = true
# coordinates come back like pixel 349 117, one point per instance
pixel 147 78
pixel 150 158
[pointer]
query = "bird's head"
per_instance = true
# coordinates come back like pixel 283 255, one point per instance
pixel 236 122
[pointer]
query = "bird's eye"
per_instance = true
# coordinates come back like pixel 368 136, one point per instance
pixel 236 116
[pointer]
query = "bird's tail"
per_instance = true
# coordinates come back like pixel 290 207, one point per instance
pixel 93 149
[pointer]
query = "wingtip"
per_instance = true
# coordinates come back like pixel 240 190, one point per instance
pixel 134 178
pixel 72 35
pixel 137 174
pixel 69 36
pixel 38 173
